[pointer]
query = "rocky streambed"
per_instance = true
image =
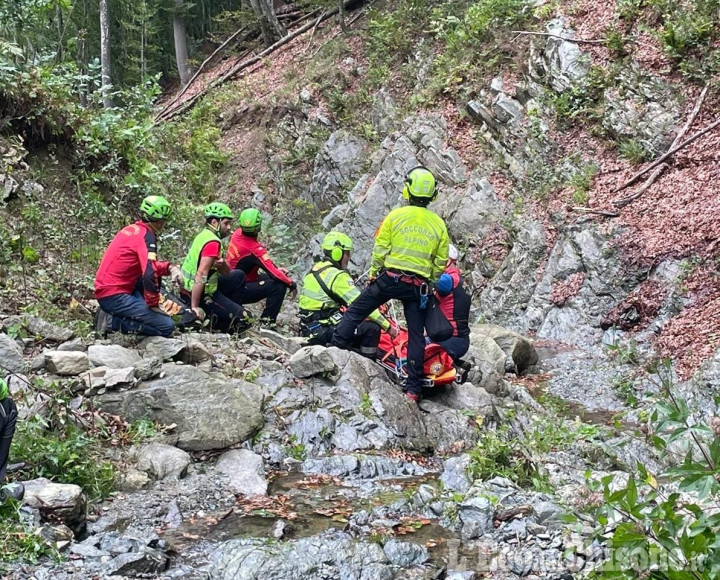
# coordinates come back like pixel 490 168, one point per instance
pixel 282 461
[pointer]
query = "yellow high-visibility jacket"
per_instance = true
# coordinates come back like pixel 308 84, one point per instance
pixel 411 239
pixel 313 297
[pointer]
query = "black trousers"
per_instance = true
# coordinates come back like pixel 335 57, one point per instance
pixel 8 419
pixel 386 288
pixel 224 307
pixel 365 338
pixel 266 288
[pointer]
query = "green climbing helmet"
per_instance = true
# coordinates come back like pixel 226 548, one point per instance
pixel 335 243
pixel 250 220
pixel 419 182
pixel 334 239
pixel 217 210
pixel 155 208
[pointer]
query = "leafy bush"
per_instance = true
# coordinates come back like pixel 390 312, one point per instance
pixel 669 522
pixel 20 541
pixel 53 445
pixel 633 151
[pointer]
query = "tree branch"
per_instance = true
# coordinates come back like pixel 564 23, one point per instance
pixel 567 38
pixel 655 174
pixel 601 212
pixel 672 151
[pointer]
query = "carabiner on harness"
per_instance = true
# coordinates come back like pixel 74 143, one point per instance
pixel 424 291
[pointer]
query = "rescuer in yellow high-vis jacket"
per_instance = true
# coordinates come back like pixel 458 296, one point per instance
pixel 411 249
pixel 326 289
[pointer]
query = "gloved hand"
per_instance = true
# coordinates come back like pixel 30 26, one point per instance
pixel 293 290
pixel 176 276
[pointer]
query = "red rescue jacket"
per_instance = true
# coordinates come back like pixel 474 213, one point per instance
pixel 456 305
pixel 249 255
pixel 131 261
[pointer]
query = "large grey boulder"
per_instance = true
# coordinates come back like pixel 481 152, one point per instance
pixel 163 461
pixel 484 348
pixel 40 328
pixel 66 363
pixel 64 501
pixel 11 354
pixel 358 408
pixel 515 346
pixel 446 422
pixel 163 348
pixel 333 554
pixel 246 471
pixel 210 413
pixel 405 554
pixel 73 344
pixel 113 356
pixel 116 377
pixel 455 475
pixel 476 517
pixel 312 360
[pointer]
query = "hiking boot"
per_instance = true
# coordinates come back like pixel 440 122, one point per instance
pixel 103 323
pixel 267 323
pixel 464 368
pixel 415 397
pixel 15 491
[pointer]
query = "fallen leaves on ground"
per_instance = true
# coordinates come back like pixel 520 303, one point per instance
pixel 277 505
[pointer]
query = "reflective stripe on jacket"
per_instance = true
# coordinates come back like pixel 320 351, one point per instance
pixel 313 298
pixel 411 239
pixel 192 261
pixel 248 255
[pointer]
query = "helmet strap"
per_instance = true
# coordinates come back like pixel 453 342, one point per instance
pixel 155 225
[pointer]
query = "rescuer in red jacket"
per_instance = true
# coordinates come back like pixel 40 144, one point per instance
pixel 454 303
pixel 246 253
pixel 127 284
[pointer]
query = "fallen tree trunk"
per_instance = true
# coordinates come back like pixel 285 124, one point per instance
pixel 166 114
pixel 207 61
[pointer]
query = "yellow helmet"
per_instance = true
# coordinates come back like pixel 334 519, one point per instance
pixel 335 243
pixel 419 182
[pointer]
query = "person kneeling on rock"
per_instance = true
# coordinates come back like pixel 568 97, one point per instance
pixel 326 289
pixel 454 303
